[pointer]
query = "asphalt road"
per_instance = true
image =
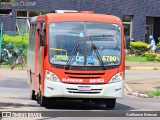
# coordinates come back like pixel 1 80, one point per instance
pixel 14 95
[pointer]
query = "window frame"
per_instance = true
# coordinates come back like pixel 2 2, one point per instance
pixel 32 36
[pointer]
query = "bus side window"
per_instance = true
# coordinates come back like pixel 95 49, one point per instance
pixel 32 38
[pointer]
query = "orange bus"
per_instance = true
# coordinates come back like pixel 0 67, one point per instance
pixel 76 55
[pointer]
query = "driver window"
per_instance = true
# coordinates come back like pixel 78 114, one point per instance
pixel 42 30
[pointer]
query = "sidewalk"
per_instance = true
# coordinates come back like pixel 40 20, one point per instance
pixel 144 85
pixel 140 87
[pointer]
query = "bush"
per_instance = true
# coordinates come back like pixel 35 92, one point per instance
pixel 158 46
pixel 138 48
pixel 150 56
pixel 16 41
pixel 158 58
pixel 154 93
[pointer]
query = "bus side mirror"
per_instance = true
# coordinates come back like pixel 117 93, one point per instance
pixel 43 38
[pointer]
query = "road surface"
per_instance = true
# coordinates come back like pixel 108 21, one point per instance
pixel 14 95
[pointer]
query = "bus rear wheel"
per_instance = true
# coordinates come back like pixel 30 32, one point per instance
pixel 32 93
pixel 110 103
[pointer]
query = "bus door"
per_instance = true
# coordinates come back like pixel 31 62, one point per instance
pixel 38 55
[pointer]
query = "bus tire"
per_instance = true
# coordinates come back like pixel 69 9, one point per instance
pixel 32 94
pixel 42 100
pixel 31 91
pixel 110 103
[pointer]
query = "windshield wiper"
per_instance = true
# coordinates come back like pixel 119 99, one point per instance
pixel 98 56
pixel 97 53
pixel 70 58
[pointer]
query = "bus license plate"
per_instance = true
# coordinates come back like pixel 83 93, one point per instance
pixel 84 88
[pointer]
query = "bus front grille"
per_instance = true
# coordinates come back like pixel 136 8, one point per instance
pixel 85 75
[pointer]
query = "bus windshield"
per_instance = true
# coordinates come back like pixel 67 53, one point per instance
pixel 85 43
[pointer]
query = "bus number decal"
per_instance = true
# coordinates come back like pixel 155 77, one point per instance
pixel 96 81
pixel 109 58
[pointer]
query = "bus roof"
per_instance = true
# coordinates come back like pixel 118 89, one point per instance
pixel 62 17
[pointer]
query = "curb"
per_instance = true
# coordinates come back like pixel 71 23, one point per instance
pixel 142 68
pixel 131 92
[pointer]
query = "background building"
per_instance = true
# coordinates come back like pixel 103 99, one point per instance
pixel 141 18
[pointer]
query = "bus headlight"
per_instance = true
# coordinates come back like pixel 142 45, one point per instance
pixel 51 76
pixel 117 77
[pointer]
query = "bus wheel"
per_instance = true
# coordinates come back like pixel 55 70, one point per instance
pixel 42 100
pixel 32 93
pixel 110 103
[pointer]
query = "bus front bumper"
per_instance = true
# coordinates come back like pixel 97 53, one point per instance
pixel 58 89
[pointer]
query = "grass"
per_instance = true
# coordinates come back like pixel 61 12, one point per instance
pixel 5 66
pixel 9 66
pixel 136 59
pixel 154 93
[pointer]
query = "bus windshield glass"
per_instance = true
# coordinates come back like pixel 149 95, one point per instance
pixel 85 43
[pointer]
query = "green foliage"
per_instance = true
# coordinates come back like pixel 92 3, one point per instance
pixel 136 59
pixel 16 41
pixel 158 58
pixel 138 48
pixel 146 58
pixel 150 56
pixel 158 46
pixel 139 44
pixel 154 93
